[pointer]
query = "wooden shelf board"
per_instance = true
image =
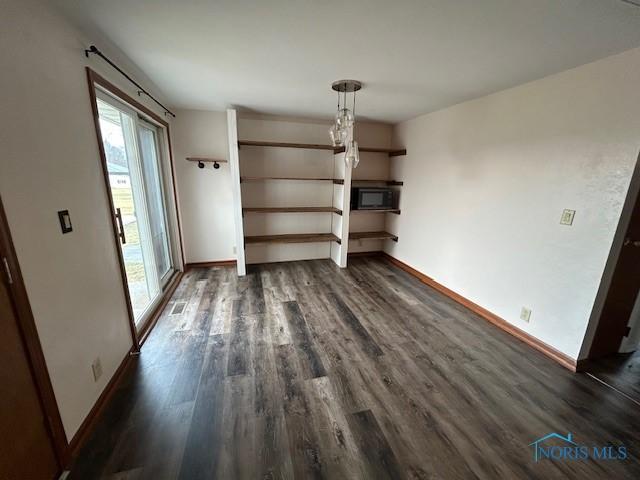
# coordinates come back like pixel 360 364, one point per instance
pixel 378 210
pixel 392 152
pixel 292 238
pixel 338 181
pixel 372 236
pixel 310 146
pixel 386 182
pixel 291 210
pixel 398 153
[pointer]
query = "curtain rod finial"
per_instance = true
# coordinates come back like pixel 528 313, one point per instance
pixel 91 49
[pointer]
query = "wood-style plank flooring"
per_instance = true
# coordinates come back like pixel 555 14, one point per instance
pixel 302 370
pixel 620 371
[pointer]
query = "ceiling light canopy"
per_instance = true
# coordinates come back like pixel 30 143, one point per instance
pixel 342 132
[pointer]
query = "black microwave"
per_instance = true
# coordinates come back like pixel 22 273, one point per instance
pixel 371 198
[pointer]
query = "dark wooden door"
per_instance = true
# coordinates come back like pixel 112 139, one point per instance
pixel 27 450
pixel 622 293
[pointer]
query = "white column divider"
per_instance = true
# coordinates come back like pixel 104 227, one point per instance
pixel 346 212
pixel 340 226
pixel 234 167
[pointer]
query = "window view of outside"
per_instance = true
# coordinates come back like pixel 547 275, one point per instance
pixel 113 124
pixel 155 206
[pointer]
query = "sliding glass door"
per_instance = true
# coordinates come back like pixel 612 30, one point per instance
pixel 149 148
pixel 131 146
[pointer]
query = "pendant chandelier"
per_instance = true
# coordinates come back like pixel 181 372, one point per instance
pixel 342 132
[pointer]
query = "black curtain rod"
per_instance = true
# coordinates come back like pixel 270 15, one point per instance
pixel 94 49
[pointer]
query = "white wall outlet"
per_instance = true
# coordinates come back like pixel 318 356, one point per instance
pixel 96 367
pixel 235 250
pixel 525 314
pixel 567 217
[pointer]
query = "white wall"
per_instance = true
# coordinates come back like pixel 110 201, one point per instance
pixel 204 195
pixel 486 182
pixel 50 162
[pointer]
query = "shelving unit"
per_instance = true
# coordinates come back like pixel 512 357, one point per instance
pixel 371 230
pixel 286 190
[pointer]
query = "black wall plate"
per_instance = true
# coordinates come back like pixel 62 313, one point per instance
pixel 65 221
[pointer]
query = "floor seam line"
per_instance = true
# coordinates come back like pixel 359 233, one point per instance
pixel 613 388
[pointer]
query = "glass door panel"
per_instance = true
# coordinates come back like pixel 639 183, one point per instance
pixel 118 126
pixel 148 135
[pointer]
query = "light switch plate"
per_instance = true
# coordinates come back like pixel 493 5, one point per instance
pixel 567 217
pixel 65 221
pixel 525 314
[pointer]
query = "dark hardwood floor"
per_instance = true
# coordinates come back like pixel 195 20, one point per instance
pixel 302 370
pixel 620 371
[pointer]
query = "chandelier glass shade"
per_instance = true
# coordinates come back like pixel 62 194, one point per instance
pixel 352 155
pixel 345 118
pixel 338 135
pixel 342 132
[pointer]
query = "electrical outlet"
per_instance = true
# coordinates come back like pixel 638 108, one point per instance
pixel 525 314
pixel 567 217
pixel 234 250
pixel 96 367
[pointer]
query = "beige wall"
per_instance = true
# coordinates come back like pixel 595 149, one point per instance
pixel 486 182
pixel 204 195
pixel 50 162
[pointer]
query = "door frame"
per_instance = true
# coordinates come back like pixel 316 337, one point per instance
pixel 607 333
pixel 95 80
pixel 31 341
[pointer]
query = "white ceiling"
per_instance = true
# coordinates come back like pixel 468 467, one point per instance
pixel 414 56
